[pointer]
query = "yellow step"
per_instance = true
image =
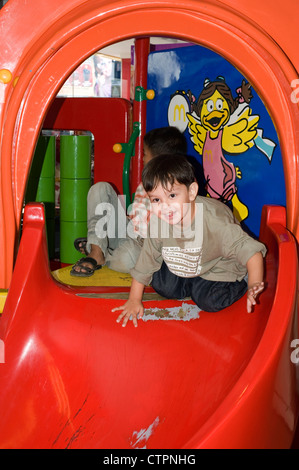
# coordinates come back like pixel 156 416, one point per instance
pixel 3 295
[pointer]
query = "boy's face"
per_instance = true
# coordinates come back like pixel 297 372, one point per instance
pixel 147 155
pixel 175 203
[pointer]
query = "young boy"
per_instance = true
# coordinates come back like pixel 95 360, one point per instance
pixel 119 247
pixel 195 245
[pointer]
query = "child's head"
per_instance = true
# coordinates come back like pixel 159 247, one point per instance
pixel 166 170
pixel 171 186
pixel 163 140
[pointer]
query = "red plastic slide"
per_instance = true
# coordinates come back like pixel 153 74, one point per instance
pixel 74 378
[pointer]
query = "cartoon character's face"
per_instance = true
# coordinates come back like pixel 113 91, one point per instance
pixel 215 112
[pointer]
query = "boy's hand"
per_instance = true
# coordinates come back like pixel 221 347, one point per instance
pixel 131 307
pixel 252 294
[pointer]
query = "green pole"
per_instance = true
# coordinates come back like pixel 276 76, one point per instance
pixel 75 180
pixel 129 150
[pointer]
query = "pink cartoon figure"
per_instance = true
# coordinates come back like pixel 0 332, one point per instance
pixel 218 122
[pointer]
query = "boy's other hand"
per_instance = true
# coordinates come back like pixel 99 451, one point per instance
pixel 252 293
pixel 132 308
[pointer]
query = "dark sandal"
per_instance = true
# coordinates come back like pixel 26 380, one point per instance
pixel 87 270
pixel 83 241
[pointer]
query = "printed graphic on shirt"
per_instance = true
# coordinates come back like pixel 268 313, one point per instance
pixel 183 262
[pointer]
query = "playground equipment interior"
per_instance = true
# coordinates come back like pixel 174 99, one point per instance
pixel 79 88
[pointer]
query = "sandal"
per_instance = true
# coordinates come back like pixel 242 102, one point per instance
pixel 87 270
pixel 80 244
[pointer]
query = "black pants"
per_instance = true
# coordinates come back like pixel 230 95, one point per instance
pixel 210 296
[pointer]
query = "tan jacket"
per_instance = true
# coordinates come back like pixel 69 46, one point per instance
pixel 213 246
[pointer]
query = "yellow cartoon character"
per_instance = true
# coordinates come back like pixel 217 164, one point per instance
pixel 218 123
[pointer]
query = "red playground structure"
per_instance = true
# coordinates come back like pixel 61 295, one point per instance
pixel 70 377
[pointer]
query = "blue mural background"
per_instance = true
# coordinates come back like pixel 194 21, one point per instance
pixel 186 68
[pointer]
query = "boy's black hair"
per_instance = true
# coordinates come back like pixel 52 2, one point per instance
pixel 167 169
pixel 165 140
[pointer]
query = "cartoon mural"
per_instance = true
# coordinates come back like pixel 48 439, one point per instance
pixel 218 122
pixel 229 131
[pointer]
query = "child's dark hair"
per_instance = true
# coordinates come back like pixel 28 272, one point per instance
pixel 166 170
pixel 165 140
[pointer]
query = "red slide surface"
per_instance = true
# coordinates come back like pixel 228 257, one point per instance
pixel 74 378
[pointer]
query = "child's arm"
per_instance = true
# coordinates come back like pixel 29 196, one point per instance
pixel 255 268
pixel 133 306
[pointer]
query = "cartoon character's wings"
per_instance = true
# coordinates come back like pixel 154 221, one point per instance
pixel 197 132
pixel 239 133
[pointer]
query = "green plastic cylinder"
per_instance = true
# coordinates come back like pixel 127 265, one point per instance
pixel 69 231
pixel 41 184
pixel 73 199
pixel 46 189
pixel 43 164
pixel 46 193
pixel 75 180
pixel 75 156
